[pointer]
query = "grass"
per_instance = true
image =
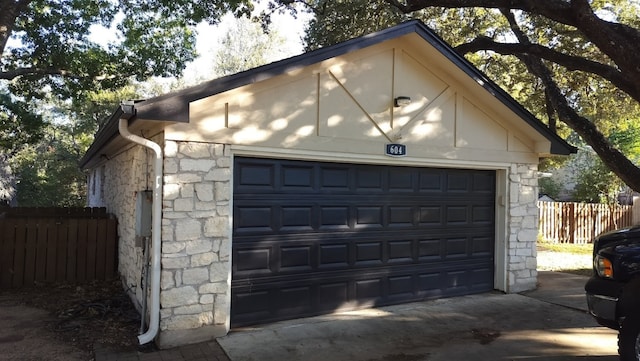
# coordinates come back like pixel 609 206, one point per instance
pixel 572 249
pixel 566 247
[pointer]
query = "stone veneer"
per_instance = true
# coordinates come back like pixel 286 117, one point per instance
pixel 522 231
pixel 196 268
pixel 196 231
pixel 114 185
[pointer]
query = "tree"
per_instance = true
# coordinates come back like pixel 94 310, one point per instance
pixel 572 51
pixel 47 173
pixel 257 48
pixel 46 50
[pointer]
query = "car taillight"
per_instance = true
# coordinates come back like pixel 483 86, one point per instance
pixel 603 267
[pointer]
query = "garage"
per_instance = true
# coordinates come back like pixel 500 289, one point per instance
pixel 316 237
pixel 382 170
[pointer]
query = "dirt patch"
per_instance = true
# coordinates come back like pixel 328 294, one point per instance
pixel 64 322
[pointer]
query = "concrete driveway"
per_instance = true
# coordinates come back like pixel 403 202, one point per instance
pixel 549 324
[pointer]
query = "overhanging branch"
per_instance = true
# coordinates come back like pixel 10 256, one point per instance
pixel 570 62
pixel 12 74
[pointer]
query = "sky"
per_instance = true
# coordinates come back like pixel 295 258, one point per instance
pixel 210 36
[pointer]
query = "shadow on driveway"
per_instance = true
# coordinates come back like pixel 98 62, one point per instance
pixel 550 324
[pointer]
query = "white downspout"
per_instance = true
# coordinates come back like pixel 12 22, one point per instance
pixel 154 309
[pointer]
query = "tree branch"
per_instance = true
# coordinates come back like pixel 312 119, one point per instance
pixel 12 74
pixel 611 156
pixel 570 62
pixel 618 41
pixel 9 11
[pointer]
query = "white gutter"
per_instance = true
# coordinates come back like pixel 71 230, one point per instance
pixel 154 309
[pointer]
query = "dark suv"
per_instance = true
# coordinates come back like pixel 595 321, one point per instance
pixel 613 292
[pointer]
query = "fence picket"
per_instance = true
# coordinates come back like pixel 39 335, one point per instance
pixel 566 222
pixel 8 248
pixel 56 245
pixel 29 267
pixel 18 254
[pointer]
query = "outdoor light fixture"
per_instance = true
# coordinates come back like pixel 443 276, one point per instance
pixel 401 101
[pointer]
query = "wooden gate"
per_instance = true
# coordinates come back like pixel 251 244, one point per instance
pixel 51 245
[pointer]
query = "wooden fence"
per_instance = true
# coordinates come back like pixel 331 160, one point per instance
pixel 565 222
pixel 71 245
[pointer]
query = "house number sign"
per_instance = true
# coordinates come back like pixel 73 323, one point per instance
pixel 396 150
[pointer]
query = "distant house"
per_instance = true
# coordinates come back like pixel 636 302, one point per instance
pixel 545 198
pixel 382 170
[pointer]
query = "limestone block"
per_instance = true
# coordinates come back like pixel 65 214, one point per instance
pixel 196 165
pixel 167 280
pixel 183 322
pixel 195 150
pixel 524 252
pixel 177 297
pixel 530 222
pixel 218 175
pixel 514 192
pixel 204 191
pixel 518 211
pixel 203 259
pixel 222 191
pixel 170 166
pixel 188 230
pixel 527 195
pixel 170 149
pixel 187 190
pixel 173 247
pixel 182 178
pixel 171 191
pixel 174 215
pixel 195 276
pixel 223 162
pixel 217 287
pixel 206 299
pixel 199 246
pixel 167 232
pixel 216 227
pixel 175 262
pixel 183 205
pixel 219 271
pixel 188 310
pixel 218 150
pixel 527 235
pixel 531 263
pixel 223 209
pixel 221 309
pixel 205 206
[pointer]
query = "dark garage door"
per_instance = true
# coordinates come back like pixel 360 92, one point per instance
pixel 312 237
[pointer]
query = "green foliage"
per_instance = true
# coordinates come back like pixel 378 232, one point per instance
pixel 19 124
pixel 595 182
pixel 52 56
pixel 46 172
pixel 339 20
pixel 48 175
pixel 550 187
pixel 257 48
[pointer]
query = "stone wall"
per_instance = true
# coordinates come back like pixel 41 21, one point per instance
pixel 522 221
pixel 196 230
pixel 114 185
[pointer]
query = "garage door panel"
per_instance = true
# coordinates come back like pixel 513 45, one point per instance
pixel 316 237
pixel 369 217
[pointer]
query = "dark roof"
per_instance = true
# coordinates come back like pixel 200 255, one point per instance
pixel 174 106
